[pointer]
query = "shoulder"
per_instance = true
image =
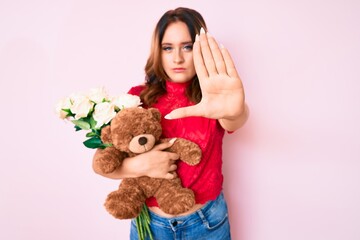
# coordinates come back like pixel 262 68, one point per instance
pixel 136 90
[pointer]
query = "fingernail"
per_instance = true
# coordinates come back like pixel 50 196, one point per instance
pixel 168 117
pixel 197 38
pixel 172 140
pixel 202 31
pixel 208 34
pixel 221 45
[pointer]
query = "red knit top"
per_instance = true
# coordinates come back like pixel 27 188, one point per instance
pixel 205 178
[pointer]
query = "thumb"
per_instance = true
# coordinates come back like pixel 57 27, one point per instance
pixel 184 112
pixel 165 145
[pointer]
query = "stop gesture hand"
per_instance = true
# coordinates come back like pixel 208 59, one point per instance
pixel 222 90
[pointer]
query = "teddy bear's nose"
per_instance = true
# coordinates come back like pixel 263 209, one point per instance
pixel 143 140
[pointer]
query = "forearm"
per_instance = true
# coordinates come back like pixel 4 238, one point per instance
pixel 128 169
pixel 231 124
pixel 156 163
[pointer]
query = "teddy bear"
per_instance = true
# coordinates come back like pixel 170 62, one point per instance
pixel 131 132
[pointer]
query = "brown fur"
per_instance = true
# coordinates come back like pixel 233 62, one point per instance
pixel 127 201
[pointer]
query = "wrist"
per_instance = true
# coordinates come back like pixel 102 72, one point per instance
pixel 235 121
pixel 133 167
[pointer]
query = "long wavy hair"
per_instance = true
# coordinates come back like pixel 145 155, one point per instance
pixel 154 71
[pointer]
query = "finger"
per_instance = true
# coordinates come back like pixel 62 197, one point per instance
pixel 206 54
pixel 172 167
pixel 217 55
pixel 198 60
pixel 195 110
pixel 174 174
pixel 230 66
pixel 165 145
pixel 169 176
pixel 174 156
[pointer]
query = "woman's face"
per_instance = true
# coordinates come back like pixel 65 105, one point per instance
pixel 176 53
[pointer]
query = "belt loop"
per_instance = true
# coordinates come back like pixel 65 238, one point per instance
pixel 201 215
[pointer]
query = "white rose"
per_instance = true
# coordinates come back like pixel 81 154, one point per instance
pixel 81 106
pixel 64 103
pixel 97 95
pixel 103 113
pixel 126 101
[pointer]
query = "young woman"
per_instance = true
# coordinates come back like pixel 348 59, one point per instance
pixel 194 84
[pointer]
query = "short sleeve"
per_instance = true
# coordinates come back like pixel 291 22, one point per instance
pixel 136 90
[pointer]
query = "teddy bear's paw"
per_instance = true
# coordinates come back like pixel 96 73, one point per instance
pixel 194 156
pixel 189 152
pixel 179 202
pixel 122 206
pixel 108 168
pixel 109 159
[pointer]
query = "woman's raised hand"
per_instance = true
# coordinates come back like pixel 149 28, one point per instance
pixel 222 90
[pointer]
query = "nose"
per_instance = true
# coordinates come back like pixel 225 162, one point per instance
pixel 142 141
pixel 178 56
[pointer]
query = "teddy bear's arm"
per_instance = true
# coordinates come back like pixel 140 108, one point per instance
pixel 188 151
pixel 108 159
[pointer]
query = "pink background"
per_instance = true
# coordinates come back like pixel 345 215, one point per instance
pixel 292 172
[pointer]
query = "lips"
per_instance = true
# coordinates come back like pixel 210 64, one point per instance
pixel 179 70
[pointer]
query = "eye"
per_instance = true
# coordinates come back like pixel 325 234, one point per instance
pixel 188 47
pixel 166 48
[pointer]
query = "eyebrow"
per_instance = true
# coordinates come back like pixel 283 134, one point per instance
pixel 182 43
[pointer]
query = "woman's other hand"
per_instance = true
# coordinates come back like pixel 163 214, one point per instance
pixel 156 163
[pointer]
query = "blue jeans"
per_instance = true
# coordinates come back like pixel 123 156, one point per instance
pixel 208 223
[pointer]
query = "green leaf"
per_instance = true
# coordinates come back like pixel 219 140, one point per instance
pixel 92 122
pixel 91 134
pixel 68 112
pixel 97 131
pixel 81 124
pixel 94 142
pixel 107 145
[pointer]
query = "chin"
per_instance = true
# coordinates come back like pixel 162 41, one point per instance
pixel 178 79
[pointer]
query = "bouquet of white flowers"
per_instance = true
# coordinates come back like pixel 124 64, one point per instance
pixel 93 110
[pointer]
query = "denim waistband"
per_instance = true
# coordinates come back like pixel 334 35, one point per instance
pixel 185 221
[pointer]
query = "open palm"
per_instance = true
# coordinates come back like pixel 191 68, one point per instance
pixel 221 86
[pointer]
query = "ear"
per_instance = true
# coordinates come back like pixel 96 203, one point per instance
pixel 106 134
pixel 156 113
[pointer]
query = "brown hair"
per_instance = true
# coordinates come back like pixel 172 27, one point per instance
pixel 155 74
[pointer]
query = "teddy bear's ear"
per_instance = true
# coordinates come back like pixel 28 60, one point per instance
pixel 106 134
pixel 156 113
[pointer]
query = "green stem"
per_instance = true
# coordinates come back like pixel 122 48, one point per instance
pixel 143 224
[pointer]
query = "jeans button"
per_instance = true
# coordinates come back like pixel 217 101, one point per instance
pixel 174 223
